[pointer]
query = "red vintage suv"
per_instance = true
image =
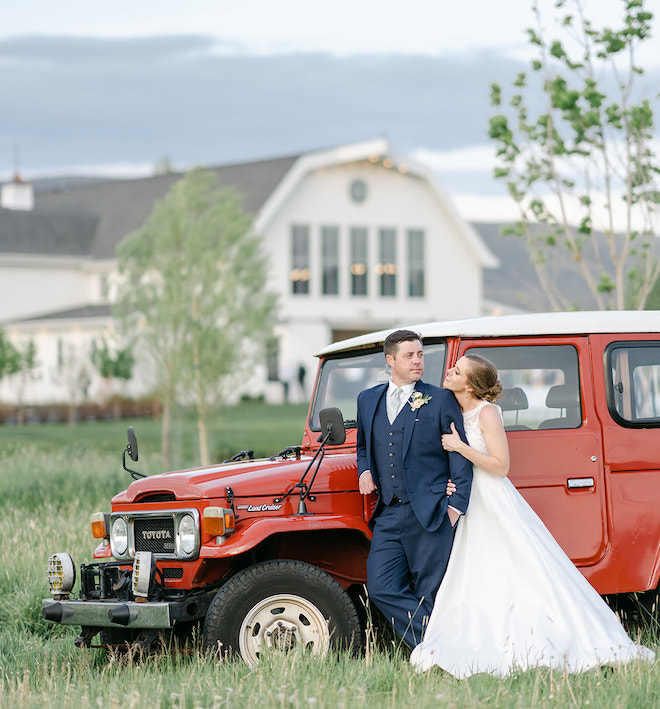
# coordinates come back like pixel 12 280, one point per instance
pixel 270 554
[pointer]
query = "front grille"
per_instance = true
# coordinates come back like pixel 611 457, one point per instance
pixel 154 534
pixel 172 573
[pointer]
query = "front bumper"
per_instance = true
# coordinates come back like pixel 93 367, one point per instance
pixel 126 614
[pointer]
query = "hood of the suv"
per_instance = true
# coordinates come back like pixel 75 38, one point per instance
pixel 261 477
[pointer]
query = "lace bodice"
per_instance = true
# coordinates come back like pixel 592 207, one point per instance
pixel 472 429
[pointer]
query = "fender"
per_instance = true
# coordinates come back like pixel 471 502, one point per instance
pixel 242 540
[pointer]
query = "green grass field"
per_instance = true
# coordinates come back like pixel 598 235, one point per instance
pixel 53 476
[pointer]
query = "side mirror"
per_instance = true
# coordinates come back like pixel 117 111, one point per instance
pixel 132 447
pixel 332 426
pixel 132 450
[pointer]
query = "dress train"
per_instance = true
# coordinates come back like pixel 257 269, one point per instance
pixel 511 599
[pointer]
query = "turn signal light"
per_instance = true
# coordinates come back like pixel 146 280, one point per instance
pixel 218 521
pixel 99 525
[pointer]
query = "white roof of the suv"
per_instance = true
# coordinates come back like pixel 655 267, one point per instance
pixel 581 323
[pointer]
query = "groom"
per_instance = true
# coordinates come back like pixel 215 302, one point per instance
pixel 400 455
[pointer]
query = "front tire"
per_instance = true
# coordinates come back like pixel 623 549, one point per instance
pixel 281 606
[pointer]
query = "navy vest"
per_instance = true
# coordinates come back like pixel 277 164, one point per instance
pixel 387 447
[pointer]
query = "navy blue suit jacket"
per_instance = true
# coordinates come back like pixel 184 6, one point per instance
pixel 426 465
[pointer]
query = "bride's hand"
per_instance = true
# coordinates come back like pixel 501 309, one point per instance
pixel 452 441
pixel 451 488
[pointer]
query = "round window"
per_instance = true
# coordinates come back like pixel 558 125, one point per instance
pixel 358 191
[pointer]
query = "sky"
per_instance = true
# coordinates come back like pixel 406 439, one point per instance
pixel 112 87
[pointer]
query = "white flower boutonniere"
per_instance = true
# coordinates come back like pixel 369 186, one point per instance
pixel 417 400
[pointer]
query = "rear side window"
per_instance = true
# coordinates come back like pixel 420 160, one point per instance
pixel 633 386
pixel 541 385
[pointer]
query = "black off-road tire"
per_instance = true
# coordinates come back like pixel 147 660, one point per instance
pixel 281 605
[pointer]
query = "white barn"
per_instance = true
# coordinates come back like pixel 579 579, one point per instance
pixel 358 238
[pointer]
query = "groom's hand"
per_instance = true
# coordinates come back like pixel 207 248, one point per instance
pixel 366 483
pixel 453 515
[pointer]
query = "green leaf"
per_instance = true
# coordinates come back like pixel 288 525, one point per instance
pixel 495 95
pixel 606 284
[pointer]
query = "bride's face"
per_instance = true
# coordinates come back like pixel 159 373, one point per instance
pixel 456 379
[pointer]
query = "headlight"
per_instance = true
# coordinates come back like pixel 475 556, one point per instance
pixel 187 534
pixel 61 574
pixel 119 537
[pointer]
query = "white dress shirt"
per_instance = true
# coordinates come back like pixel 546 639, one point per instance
pixel 407 390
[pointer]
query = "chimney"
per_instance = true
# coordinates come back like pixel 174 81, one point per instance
pixel 17 194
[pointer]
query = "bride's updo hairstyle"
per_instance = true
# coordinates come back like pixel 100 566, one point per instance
pixel 482 377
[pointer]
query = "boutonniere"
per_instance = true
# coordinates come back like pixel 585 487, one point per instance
pixel 417 400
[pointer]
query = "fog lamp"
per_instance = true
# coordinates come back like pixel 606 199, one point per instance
pixel 99 525
pixel 142 574
pixel 61 574
pixel 218 521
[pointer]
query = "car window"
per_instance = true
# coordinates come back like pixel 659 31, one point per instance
pixel 633 384
pixel 541 385
pixel 341 379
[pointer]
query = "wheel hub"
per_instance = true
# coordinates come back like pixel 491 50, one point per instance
pixel 283 623
pixel 283 636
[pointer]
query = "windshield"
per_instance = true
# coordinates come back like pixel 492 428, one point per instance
pixel 343 378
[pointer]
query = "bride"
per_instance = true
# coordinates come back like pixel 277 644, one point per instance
pixel 511 599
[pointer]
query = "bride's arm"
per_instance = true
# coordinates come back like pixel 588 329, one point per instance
pixel 496 461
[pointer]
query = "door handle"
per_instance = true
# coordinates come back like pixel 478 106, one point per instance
pixel 573 483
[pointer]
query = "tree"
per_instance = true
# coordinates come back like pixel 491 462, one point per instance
pixel 112 365
pixel 26 373
pixel 590 150
pixel 71 373
pixel 192 294
pixel 10 357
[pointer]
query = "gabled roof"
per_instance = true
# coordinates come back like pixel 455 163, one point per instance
pixel 80 314
pixel 121 206
pixel 36 233
pixel 516 282
pixel 370 150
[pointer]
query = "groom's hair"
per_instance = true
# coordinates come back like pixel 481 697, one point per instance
pixel 394 339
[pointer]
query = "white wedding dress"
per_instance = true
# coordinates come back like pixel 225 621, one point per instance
pixel 511 599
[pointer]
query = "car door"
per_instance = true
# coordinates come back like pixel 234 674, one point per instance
pixel 554 436
pixel 628 404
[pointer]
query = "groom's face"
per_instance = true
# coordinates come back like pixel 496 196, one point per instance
pixel 407 364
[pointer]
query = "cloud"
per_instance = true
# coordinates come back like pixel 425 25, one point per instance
pixel 74 103
pixel 71 51
pixel 71 100
pixel 477 157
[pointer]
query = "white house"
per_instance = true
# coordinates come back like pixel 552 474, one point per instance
pixel 359 239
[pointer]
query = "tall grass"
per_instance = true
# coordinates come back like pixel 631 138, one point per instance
pixel 46 496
